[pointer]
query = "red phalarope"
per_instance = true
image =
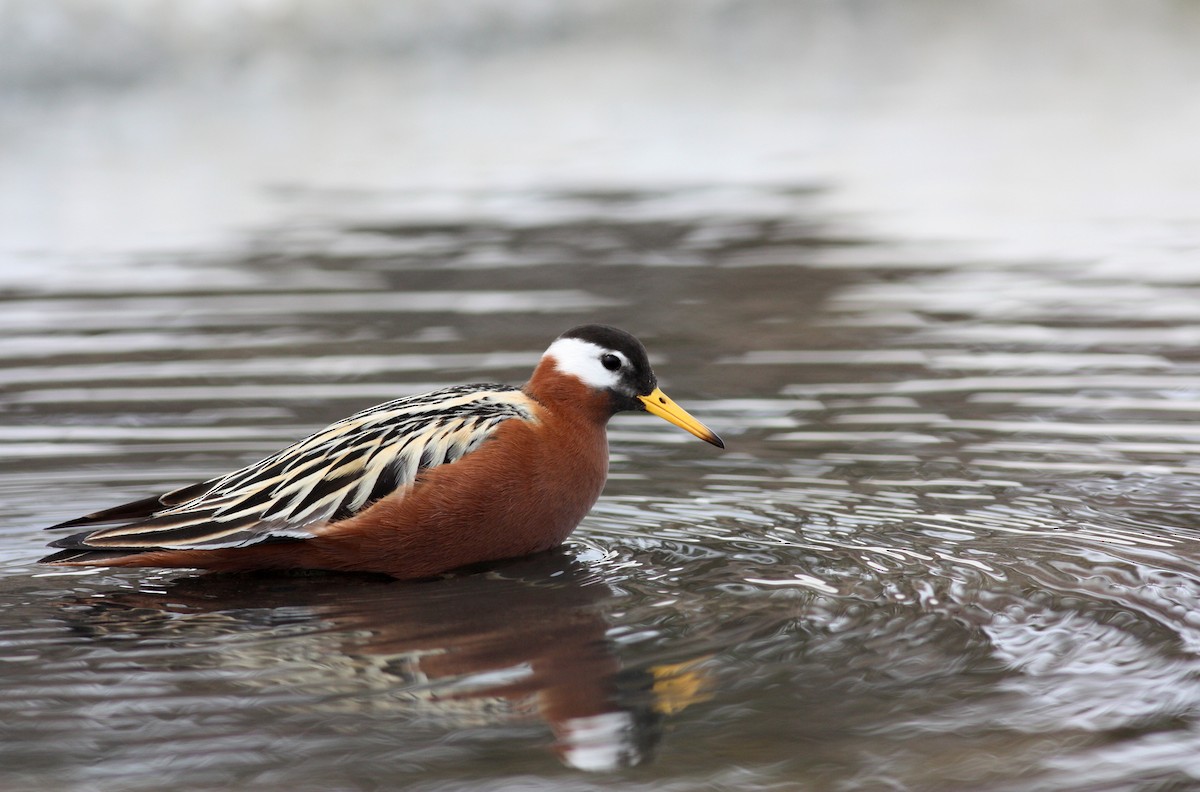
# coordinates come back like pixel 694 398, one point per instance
pixel 411 488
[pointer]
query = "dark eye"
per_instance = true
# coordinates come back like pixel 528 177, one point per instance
pixel 610 362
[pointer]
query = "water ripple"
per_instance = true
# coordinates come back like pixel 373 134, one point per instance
pixel 947 507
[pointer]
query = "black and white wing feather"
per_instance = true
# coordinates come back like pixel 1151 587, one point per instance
pixel 328 476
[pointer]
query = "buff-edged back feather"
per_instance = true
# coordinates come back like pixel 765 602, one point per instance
pixel 326 477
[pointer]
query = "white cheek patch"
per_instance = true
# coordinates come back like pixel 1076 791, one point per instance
pixel 581 360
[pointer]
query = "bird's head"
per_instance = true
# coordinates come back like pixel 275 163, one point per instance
pixel 614 362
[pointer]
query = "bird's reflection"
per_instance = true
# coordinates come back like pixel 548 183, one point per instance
pixel 531 634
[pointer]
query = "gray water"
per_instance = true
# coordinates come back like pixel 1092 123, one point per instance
pixel 932 273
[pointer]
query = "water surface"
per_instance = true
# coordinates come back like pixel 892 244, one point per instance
pixel 947 334
pixel 950 542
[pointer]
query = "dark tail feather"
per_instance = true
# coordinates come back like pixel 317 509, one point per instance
pixel 74 541
pixel 139 509
pixel 127 511
pixel 84 557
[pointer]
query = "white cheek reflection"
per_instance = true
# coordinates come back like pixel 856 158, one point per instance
pixel 599 742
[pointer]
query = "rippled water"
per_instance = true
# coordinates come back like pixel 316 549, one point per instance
pixel 950 545
pixel 930 269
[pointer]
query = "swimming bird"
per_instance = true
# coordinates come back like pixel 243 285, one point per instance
pixel 411 488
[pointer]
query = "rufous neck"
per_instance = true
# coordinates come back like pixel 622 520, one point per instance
pixel 566 393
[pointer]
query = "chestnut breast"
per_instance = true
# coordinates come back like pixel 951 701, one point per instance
pixel 524 490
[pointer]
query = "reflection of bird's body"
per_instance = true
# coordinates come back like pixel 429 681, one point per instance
pixel 411 488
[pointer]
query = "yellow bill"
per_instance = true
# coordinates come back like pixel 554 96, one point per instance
pixel 660 404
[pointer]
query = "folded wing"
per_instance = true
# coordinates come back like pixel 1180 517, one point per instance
pixel 328 476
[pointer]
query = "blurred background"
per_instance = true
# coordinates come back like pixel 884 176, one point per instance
pixel 931 268
pixel 145 125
